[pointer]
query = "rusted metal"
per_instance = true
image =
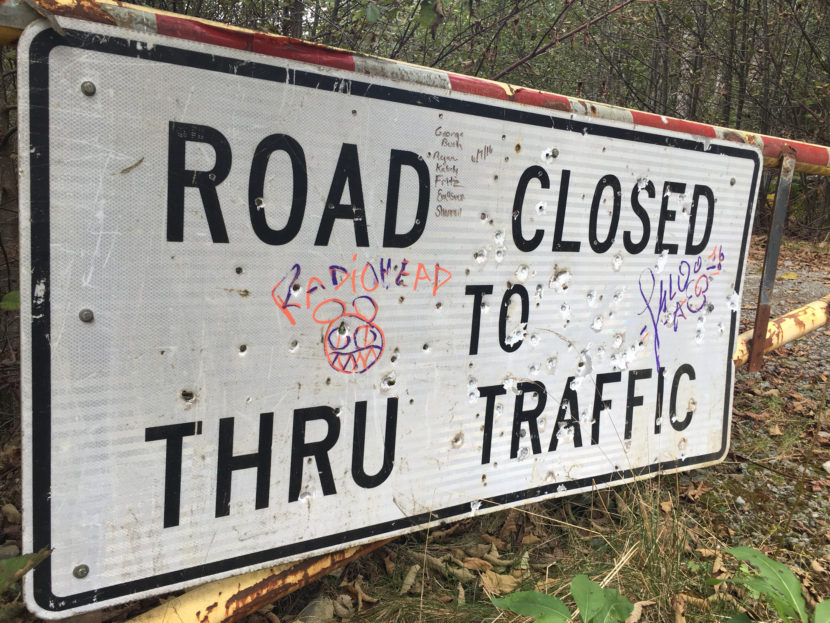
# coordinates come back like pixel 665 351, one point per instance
pixel 776 233
pixel 785 329
pixel 231 599
pixel 15 14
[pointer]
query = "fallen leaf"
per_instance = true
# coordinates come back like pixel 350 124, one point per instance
pixel 344 607
pixel 816 566
pixel 461 598
pixel 498 584
pixel 409 579
pixel 477 564
pixel 511 525
pixel 775 431
pixel 666 506
pixel 445 599
pixel 531 539
pixel 696 490
pixel 637 612
pixel 678 606
pixel 717 567
pixel 706 553
pixel 494 540
pixel 788 276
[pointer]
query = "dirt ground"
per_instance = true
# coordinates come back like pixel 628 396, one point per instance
pixel 658 542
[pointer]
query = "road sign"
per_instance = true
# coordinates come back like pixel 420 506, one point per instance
pixel 274 307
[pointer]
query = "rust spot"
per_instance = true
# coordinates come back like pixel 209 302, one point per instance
pixel 79 9
pixel 518 147
pixel 556 105
pixel 735 137
pixel 279 584
pixel 211 607
pixel 593 110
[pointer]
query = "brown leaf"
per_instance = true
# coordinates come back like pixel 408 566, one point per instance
pixel 775 431
pixel 477 564
pixel 717 567
pixel 696 490
pixel 498 584
pixel 816 566
pixel 678 606
pixel 666 506
pixel 637 612
pixel 531 539
pixel 440 534
pixel 494 540
pixel 511 525
pixel 706 553
pixel 445 599
pixel 409 579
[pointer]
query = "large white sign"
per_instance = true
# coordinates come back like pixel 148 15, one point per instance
pixel 273 308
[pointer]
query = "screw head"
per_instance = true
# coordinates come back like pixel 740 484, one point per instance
pixel 86 315
pixel 88 88
pixel 81 571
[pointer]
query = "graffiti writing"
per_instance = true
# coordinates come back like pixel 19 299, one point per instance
pixel 366 278
pixel 353 343
pixel 671 299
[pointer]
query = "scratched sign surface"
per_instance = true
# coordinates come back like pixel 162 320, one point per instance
pixel 273 308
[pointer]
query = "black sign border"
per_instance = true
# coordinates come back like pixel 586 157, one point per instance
pixel 38 84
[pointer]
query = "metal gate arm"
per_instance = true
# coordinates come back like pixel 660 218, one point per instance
pixel 786 328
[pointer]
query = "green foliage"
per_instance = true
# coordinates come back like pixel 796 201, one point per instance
pixel 372 13
pixel 772 580
pixel 543 608
pixel 822 613
pixel 10 301
pixel 597 604
pixel 12 569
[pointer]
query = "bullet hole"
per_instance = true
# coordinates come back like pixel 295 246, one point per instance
pixel 484 479
pixel 440 115
pixel 506 159
pixel 187 395
pixel 425 347
pixel 238 270
pixel 328 381
pixel 161 352
pixel 354 112
pixel 466 271
pixel 337 411
pixel 438 306
pixel 295 287
pixel 412 401
pixel 401 300
pixel 243 348
pixel 518 147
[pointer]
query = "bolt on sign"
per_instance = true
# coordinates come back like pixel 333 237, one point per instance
pixel 274 307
